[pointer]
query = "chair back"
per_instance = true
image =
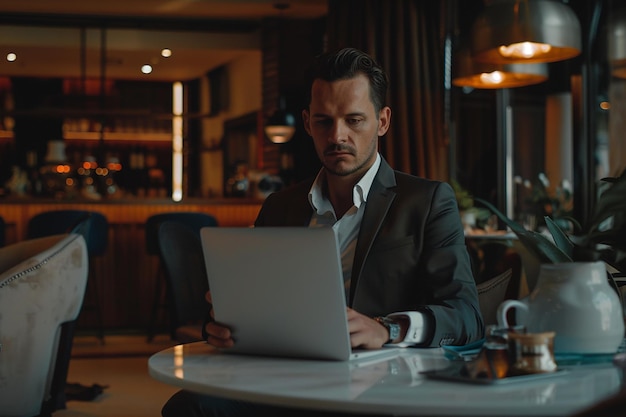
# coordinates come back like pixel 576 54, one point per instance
pixel 491 293
pixel 3 227
pixel 182 256
pixel 92 225
pixel 193 220
pixel 42 286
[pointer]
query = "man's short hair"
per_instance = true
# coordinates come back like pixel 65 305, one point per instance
pixel 348 63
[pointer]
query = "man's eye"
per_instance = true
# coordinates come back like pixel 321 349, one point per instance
pixel 354 121
pixel 323 122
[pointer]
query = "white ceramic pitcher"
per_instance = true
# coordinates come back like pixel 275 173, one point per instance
pixel 574 300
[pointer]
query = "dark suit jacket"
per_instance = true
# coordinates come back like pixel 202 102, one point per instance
pixel 410 254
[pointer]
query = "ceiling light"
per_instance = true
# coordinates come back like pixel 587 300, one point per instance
pixel 531 31
pixel 524 50
pixel 499 79
pixel 469 73
pixel 146 69
pixel 166 52
pixel 11 57
pixel 280 127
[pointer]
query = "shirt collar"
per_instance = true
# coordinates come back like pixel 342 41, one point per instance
pixel 320 202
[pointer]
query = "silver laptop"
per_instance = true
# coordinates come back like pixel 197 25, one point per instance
pixel 281 291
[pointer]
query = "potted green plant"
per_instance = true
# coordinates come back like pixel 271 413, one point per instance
pixel 539 201
pixel 471 216
pixel 603 238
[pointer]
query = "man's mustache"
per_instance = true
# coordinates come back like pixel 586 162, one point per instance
pixel 338 148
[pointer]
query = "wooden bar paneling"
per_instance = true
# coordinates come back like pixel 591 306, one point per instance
pixel 126 275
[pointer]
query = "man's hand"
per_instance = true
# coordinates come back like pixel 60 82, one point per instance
pixel 366 332
pixel 219 336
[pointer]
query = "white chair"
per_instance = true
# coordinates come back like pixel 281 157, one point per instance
pixel 42 286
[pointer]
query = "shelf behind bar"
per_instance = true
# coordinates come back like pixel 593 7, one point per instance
pixel 111 136
pixel 121 136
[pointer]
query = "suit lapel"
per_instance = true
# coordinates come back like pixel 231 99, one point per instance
pixel 379 200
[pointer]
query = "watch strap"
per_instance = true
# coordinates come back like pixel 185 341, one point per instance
pixel 392 327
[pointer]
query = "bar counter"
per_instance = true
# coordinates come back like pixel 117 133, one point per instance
pixel 125 276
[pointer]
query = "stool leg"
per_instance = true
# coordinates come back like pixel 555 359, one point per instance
pixel 156 303
pixel 98 307
pixel 94 296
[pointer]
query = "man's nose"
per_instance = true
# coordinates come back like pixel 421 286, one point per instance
pixel 339 132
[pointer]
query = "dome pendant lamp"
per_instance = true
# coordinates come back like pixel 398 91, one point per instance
pixel 471 74
pixel 281 125
pixel 500 79
pixel 528 31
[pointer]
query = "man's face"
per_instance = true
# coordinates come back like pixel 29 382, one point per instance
pixel 344 125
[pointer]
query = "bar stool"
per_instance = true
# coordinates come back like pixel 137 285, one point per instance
pixel 185 272
pixel 194 221
pixel 94 228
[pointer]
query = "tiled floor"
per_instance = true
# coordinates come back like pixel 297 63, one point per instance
pixel 121 364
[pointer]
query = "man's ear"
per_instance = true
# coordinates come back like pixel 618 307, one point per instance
pixel 384 120
pixel 305 121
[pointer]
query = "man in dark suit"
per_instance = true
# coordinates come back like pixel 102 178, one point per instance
pixel 406 269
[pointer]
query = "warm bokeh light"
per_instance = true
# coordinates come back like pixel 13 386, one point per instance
pixel 166 52
pixel 90 165
pixel 11 57
pixel 146 69
pixel 63 169
pixel 114 166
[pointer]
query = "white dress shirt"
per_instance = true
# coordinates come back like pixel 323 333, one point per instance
pixel 347 231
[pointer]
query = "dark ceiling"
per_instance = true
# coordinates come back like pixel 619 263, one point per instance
pixel 54 38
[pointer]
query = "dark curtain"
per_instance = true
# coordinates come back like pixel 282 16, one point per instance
pixel 406 38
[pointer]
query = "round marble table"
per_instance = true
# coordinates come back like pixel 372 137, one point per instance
pixel 389 384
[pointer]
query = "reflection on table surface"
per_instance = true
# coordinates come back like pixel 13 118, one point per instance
pixel 389 384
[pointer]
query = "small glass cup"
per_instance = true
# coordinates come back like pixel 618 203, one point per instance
pixel 494 360
pixel 531 353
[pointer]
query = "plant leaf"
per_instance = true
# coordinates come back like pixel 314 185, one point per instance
pixel 545 250
pixel 561 240
pixel 608 222
pixel 535 243
pixel 514 226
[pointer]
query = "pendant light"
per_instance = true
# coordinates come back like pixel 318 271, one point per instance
pixel 499 79
pixel 281 125
pixel 530 31
pixel 472 74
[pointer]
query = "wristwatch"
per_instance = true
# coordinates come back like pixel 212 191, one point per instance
pixel 392 327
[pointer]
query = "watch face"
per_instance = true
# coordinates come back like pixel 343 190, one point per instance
pixel 394 331
pixel 392 327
